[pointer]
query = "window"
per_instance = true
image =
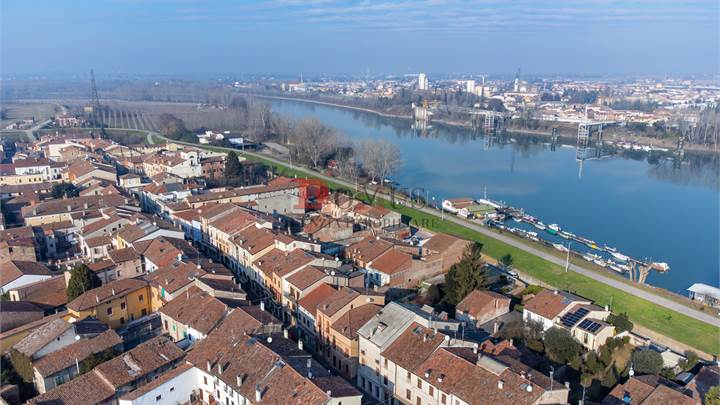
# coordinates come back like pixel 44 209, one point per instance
pixel 408 376
pixel 122 320
pixel 385 380
pixel 443 398
pixel 140 298
pixel 419 383
pixel 419 401
pixel 408 395
pixel 109 310
pixel 386 363
pixel 172 389
pixel 122 305
pixel 158 398
pixel 431 390
pixel 143 312
pixel 205 380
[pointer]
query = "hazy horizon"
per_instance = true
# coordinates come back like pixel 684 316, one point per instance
pixel 285 37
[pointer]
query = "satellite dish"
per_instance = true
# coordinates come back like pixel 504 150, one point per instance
pixel 269 339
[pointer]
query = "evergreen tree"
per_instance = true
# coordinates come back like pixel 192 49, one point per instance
pixel 647 361
pixel 81 279
pixel 561 346
pixel 469 274
pixel 232 165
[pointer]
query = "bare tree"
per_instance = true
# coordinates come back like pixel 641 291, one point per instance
pixel 313 141
pixel 380 158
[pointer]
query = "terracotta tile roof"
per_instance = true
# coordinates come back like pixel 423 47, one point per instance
pixel 349 323
pixel 306 277
pixel 14 269
pixel 337 386
pixel 648 390
pixel 50 293
pixel 173 278
pixel 477 381
pixel 337 301
pixel 314 298
pixel 123 255
pixel 98 241
pixel 368 249
pixel 479 301
pixel 140 361
pixel 230 353
pixel 231 224
pixel 254 240
pixel 549 304
pixel 108 292
pixel 100 266
pixel 98 225
pixel 87 389
pixel 197 309
pixel 413 346
pixel 281 263
pixel 164 251
pixel 131 232
pixel 440 242
pixel 94 202
pixel 392 261
pixel 80 350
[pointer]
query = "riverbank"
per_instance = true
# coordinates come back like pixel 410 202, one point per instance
pixel 696 328
pixel 563 138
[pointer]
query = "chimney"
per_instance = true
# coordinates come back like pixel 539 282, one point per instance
pixel 239 380
pixel 300 344
pixel 85 205
pixel 220 368
pixel 112 291
pixel 501 384
pixel 555 292
pixel 262 305
pixel 69 208
pixel 425 338
pixel 329 393
pixel 285 333
pixel 97 299
pixel 209 366
pixel 496 327
pixel 475 348
pixel 258 393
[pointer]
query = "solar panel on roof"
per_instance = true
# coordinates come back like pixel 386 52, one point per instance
pixel 570 319
pixel 589 325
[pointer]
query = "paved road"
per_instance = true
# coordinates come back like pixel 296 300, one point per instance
pixel 29 132
pixel 620 285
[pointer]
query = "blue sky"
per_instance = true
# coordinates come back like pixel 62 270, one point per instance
pixel 607 37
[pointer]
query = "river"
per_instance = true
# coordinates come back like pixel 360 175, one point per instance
pixel 646 207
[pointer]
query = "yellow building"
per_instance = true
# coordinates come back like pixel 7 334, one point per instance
pixel 115 303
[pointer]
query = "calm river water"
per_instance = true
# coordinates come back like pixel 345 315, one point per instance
pixel 645 207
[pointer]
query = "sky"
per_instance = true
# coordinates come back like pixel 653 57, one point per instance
pixel 194 37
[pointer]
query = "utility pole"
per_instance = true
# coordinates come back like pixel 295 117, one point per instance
pixel 567 259
pixel 94 101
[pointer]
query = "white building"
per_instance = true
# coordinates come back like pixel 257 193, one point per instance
pixel 423 82
pixel 470 86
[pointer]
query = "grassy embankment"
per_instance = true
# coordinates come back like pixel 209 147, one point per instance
pixel 675 325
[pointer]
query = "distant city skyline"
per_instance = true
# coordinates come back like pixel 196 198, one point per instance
pixel 599 37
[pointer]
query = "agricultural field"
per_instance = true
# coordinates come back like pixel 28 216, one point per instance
pixel 18 111
pixel 143 115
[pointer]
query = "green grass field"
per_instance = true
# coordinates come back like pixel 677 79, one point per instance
pixel 675 325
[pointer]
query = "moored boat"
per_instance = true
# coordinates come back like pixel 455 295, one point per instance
pixel 560 247
pixel 553 229
pixel 539 225
pixel 619 256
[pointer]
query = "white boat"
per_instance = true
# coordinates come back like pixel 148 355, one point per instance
pixel 600 262
pixel 532 234
pixel 554 227
pixel 539 225
pixel 588 257
pixel 660 266
pixel 616 267
pixel 619 256
pixel 610 249
pixel 566 235
pixel 560 247
pixel 516 219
